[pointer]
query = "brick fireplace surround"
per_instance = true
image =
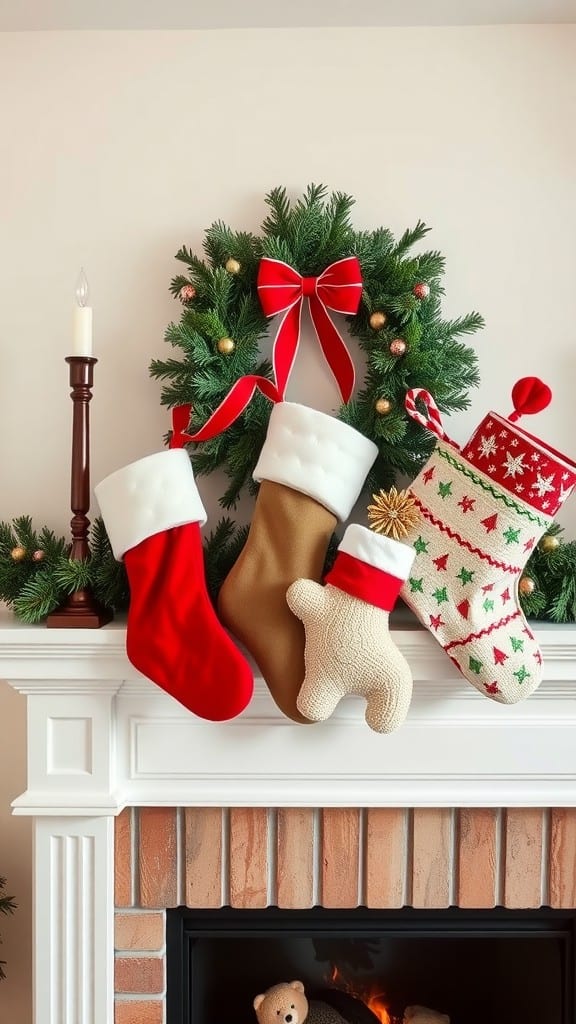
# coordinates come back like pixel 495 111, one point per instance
pixel 139 806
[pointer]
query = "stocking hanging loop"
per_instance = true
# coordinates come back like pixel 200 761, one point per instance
pixel 529 396
pixel 433 420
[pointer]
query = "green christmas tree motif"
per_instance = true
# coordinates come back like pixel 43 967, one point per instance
pixel 522 674
pixel 517 643
pixel 488 605
pixel 445 489
pixel 421 546
pixel 512 536
pixel 474 665
pixel 416 586
pixel 440 595
pixel 465 575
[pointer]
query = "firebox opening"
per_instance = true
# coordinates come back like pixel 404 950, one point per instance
pixel 478 967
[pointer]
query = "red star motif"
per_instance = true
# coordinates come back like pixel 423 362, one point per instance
pixel 466 503
pixel 440 562
pixel 487 588
pixel 528 633
pixel 505 595
pixel 529 544
pixel 463 608
pixel 428 474
pixel 489 523
pixel 538 657
pixel 492 688
pixel 499 656
pixel 436 622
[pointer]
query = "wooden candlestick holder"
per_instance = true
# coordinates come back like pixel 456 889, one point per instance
pixel 80 610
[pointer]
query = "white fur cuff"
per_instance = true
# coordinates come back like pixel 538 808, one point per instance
pixel 149 496
pixel 383 553
pixel 317 455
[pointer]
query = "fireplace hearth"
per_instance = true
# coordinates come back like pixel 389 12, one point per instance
pixel 479 967
pixel 138 807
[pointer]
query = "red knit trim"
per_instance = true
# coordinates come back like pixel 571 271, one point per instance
pixel 483 632
pixel 361 580
pixel 521 464
pixel 514 569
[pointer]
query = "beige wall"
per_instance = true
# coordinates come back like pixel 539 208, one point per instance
pixel 118 147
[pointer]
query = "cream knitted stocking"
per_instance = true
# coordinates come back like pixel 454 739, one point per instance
pixel 349 649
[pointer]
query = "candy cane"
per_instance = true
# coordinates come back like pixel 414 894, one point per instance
pixel 431 422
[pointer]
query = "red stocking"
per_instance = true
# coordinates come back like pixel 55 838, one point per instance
pixel 153 512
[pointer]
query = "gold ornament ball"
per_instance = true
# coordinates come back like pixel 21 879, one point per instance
pixel 233 266
pixel 378 320
pixel 526 586
pixel 18 554
pixel 548 544
pixel 226 346
pixel 39 555
pixel 383 406
pixel 398 347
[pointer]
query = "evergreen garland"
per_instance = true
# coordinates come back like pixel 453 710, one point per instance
pixel 552 569
pixel 36 575
pixel 7 906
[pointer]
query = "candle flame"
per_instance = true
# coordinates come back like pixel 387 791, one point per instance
pixel 82 288
pixel 370 996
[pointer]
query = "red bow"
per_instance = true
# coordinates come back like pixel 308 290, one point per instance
pixel 281 289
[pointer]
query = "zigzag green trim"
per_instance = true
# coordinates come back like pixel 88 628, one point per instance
pixel 488 487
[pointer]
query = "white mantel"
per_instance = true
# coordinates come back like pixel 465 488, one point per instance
pixel 102 737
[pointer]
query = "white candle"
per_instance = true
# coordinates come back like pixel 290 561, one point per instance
pixel 82 334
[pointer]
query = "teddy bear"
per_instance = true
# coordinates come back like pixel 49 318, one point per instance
pixel 422 1015
pixel 286 1003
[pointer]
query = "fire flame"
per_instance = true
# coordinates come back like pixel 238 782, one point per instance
pixel 370 996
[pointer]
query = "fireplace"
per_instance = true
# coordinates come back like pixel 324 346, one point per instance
pixel 139 808
pixel 478 967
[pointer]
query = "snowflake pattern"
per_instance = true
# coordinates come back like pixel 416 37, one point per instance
pixel 543 484
pixel 487 446
pixel 514 465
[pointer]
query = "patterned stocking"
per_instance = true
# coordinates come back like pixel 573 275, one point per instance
pixel 483 510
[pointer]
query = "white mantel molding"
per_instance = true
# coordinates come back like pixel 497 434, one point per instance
pixel 101 736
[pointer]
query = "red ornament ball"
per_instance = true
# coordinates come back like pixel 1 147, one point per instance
pixel 187 293
pixel 421 290
pixel 398 347
pixel 39 555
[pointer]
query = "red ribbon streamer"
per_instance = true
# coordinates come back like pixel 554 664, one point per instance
pixel 281 289
pixel 230 408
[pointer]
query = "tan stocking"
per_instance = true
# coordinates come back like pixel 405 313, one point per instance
pixel 312 468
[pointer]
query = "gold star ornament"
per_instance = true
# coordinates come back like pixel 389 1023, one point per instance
pixel 394 513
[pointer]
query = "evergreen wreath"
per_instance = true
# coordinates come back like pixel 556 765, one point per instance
pixel 398 327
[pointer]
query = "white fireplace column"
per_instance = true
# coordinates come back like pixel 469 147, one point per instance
pixel 102 737
pixel 70 793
